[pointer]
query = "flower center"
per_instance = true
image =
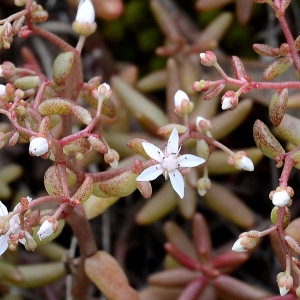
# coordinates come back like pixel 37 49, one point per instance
pixel 170 162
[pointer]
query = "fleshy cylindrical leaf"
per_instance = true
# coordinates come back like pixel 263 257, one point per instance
pixel 221 200
pixel 62 67
pixel 120 186
pixel 277 68
pixel 265 50
pixel 215 92
pixel 278 105
pixel 265 140
pixel 94 206
pixel 289 129
pixel 56 106
pixel 105 272
pixel 156 209
pixel 137 103
pixel 84 191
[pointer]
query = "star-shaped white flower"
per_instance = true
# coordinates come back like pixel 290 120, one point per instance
pixel 169 161
pixel 14 228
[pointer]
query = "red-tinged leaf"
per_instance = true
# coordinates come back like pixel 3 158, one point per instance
pixel 201 237
pixel 194 289
pixel 289 129
pixel 265 140
pixel 182 258
pixel 277 68
pixel 227 262
pixel 215 92
pixel 178 277
pixel 278 106
pixel 238 68
pixel 159 293
pixel 176 236
pixel 105 272
pixel 265 50
pixel 233 289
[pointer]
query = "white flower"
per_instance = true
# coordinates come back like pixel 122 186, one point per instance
pixel 45 230
pixel 285 282
pixel 281 198
pixel 179 97
pixel 85 12
pixel 38 146
pixel 242 162
pixel 169 161
pixel 238 247
pixel 14 229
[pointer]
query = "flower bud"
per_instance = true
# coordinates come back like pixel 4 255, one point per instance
pixel 7 69
pixel 285 282
pixel 244 243
pixel 242 162
pixel 229 100
pixel 38 146
pixel 183 106
pixel 84 23
pixel 48 227
pixel 208 58
pixel 203 126
pixel 103 88
pixel 203 185
pixel 281 198
pixel 112 158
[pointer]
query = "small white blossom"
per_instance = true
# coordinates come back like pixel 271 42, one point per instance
pixel 45 230
pixel 14 229
pixel 169 161
pixel 179 97
pixel 85 12
pixel 238 247
pixel 243 163
pixel 281 198
pixel 38 146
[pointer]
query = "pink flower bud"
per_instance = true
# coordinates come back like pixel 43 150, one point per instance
pixel 208 58
pixel 285 282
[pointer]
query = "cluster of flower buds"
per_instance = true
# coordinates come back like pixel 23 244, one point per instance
pixel 281 197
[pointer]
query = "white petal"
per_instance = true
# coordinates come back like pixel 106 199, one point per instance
pixel 226 103
pixel 150 173
pixel 179 96
pixel 85 12
pixel 45 230
pixel 283 291
pixel 3 244
pixel 173 141
pixel 238 247
pixel 245 163
pixel 177 182
pixel 153 151
pixel 189 160
pixel 281 198
pixel 3 210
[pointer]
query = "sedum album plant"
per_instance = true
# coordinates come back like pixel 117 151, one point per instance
pixel 78 124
